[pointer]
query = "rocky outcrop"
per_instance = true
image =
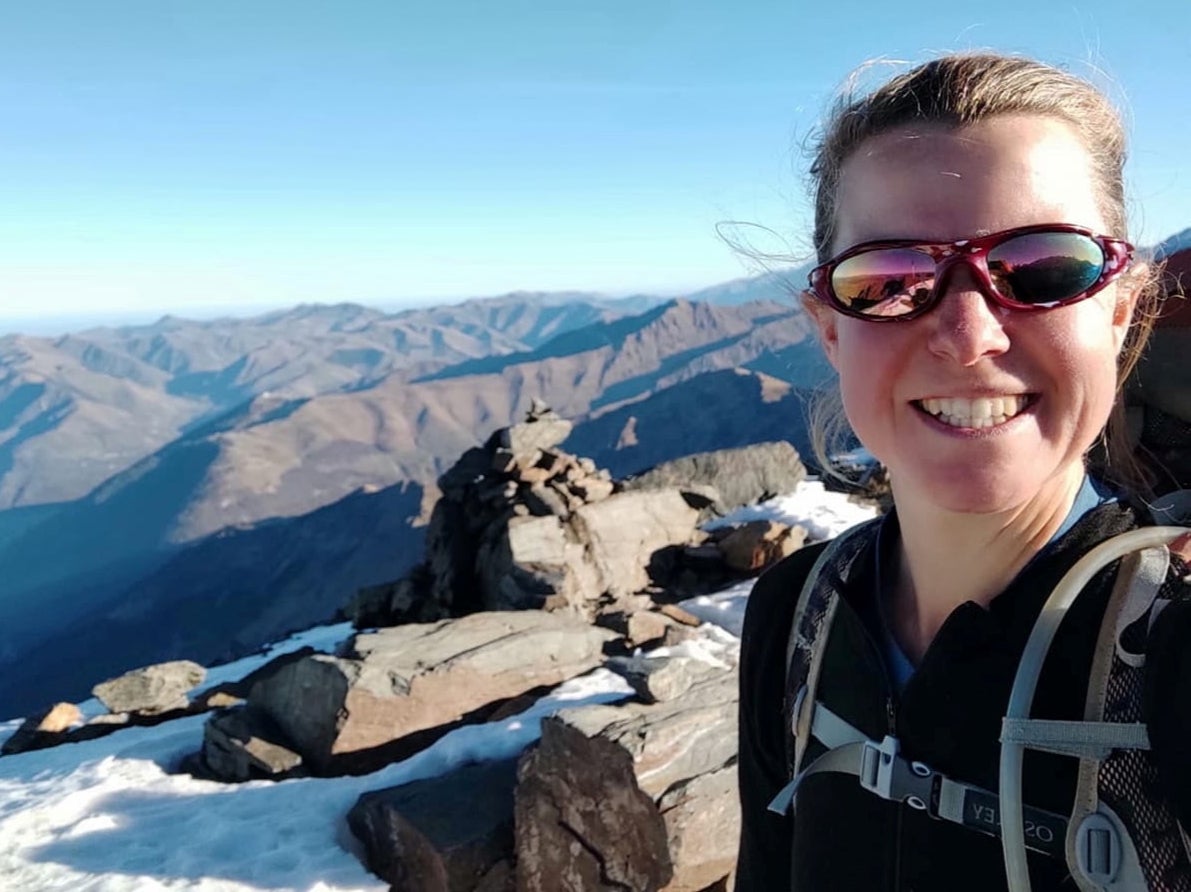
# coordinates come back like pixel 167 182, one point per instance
pixel 351 713
pixel 522 524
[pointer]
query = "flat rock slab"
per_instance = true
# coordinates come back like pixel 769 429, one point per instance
pixel 408 679
pixel 452 833
pixel 158 688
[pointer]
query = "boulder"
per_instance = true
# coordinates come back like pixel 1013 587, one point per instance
pixel 740 476
pixel 344 713
pixel 452 833
pixel 758 544
pixel 702 818
pixel 623 531
pixel 242 744
pixel 665 768
pixel 153 689
pixel 43 729
pixel 541 431
pixel 582 822
pixel 657 679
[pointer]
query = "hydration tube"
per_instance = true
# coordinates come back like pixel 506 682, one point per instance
pixel 1013 840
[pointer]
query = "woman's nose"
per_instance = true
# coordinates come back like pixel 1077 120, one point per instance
pixel 967 324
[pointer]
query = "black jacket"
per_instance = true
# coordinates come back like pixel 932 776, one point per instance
pixel 948 716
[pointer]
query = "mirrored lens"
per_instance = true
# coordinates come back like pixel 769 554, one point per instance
pixel 1045 267
pixel 884 282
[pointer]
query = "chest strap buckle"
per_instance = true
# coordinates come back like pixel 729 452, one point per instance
pixel 884 772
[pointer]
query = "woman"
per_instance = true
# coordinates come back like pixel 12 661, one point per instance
pixel 980 302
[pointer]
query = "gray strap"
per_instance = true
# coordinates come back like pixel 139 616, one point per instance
pixel 1144 586
pixel 880 769
pixel 1084 740
pixel 833 731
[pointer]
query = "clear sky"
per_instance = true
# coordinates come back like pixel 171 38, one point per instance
pixel 168 156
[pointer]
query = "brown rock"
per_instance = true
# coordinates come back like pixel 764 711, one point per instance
pixel 680 615
pixel 682 754
pixel 758 544
pixel 701 815
pixel 582 822
pixel 43 729
pixel 452 833
pixel 625 530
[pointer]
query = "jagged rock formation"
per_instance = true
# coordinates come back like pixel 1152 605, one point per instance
pixel 523 524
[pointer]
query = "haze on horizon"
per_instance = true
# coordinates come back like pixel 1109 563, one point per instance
pixel 229 158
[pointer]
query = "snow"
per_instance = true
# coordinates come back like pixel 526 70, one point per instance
pixel 107 815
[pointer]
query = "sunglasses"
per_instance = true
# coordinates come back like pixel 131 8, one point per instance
pixel 1028 268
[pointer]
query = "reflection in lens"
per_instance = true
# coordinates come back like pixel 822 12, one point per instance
pixel 884 282
pixel 1045 267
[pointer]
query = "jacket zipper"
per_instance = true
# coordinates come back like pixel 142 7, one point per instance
pixel 890 728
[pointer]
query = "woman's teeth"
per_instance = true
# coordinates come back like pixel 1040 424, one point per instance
pixel 977 413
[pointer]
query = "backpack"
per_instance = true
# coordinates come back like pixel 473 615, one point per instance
pixel 1116 839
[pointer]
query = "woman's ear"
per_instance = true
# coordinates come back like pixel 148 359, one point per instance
pixel 1128 293
pixel 825 320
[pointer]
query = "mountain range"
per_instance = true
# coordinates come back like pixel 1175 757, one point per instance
pixel 196 489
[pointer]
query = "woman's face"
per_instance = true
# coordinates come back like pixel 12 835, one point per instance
pixel 1058 366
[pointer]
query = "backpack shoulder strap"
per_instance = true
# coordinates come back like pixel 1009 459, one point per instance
pixel 809 630
pixel 1114 814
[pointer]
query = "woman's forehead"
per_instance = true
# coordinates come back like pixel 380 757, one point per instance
pixel 939 183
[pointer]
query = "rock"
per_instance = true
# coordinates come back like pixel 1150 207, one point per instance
pixel 43 729
pixel 543 500
pixel 242 744
pixel 344 713
pixel 645 627
pixel 593 489
pixel 680 758
pixel 623 532
pixel 657 679
pixel 540 431
pixel 450 833
pixel 680 615
pixel 758 544
pixel 153 689
pixel 740 476
pixel 700 815
pixel 582 822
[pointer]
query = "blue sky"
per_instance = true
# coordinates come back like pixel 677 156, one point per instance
pixel 162 156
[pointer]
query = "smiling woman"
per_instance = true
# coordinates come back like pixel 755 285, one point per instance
pixel 980 300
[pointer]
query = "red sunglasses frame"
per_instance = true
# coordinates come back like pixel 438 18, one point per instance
pixel 973 253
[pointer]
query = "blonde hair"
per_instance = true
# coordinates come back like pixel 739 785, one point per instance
pixel 966 88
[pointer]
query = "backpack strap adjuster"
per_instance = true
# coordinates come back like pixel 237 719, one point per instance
pixel 883 771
